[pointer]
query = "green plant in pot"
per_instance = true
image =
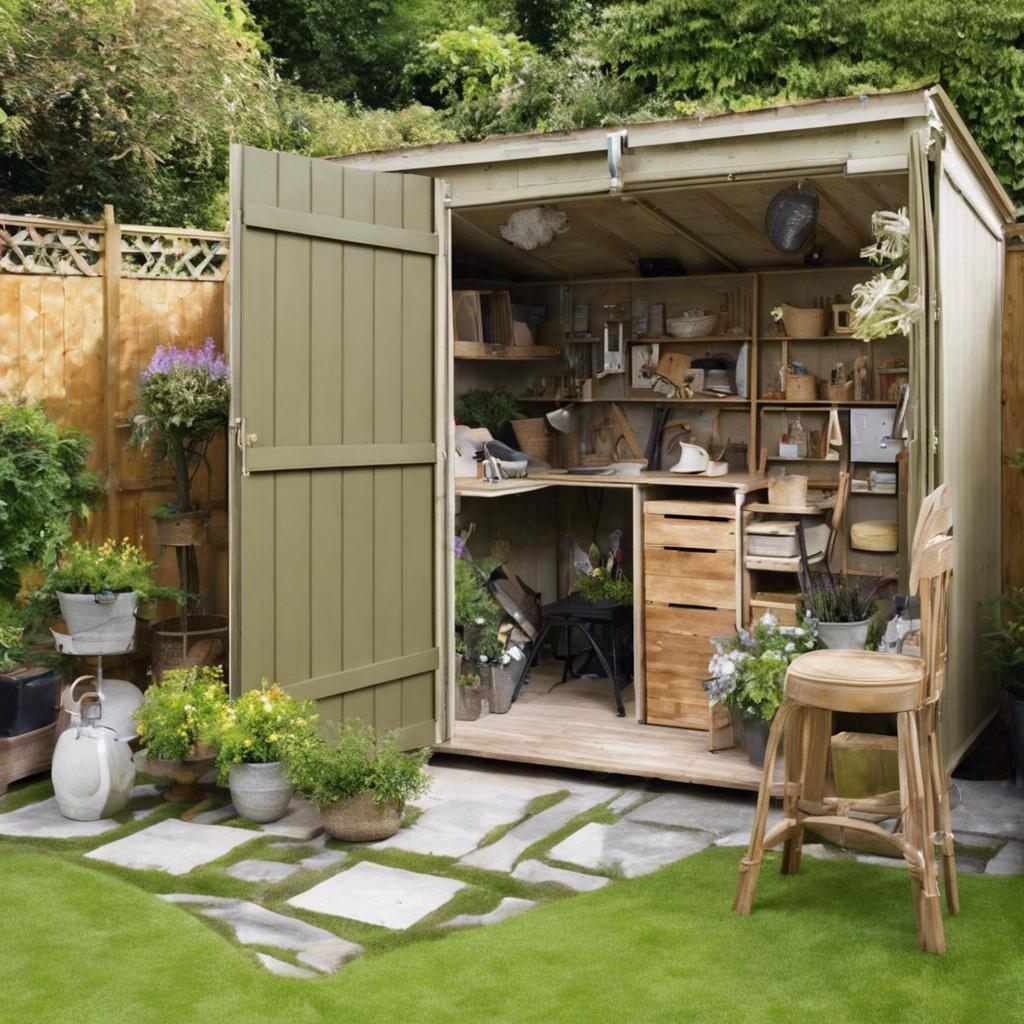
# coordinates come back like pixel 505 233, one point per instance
pixel 747 673
pixel 178 723
pixel 492 409
pixel 257 734
pixel 1004 655
pixel 468 695
pixel 97 589
pixel 843 608
pixel 360 783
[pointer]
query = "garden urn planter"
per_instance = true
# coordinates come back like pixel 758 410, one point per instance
pixel 260 792
pixel 844 636
pixel 469 703
pixel 359 820
pixel 108 619
pixel 183 772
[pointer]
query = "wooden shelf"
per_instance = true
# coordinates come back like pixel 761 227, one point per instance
pixel 481 350
pixel 824 337
pixel 813 404
pixel 662 400
pixel 668 339
pixel 786 458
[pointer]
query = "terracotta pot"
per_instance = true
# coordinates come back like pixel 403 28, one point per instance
pixel 359 820
pixel 184 772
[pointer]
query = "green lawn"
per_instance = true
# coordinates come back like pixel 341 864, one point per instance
pixel 836 944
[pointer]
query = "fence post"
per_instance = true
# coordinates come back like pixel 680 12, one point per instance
pixel 111 348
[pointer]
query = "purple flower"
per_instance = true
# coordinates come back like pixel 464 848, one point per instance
pixel 459 547
pixel 168 358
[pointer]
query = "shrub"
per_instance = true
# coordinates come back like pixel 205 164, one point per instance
pixel 185 709
pixel 116 567
pixel 1004 643
pixel 491 409
pixel 361 761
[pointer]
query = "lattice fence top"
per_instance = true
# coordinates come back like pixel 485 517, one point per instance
pixel 31 245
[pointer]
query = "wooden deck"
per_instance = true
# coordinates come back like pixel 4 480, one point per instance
pixel 575 726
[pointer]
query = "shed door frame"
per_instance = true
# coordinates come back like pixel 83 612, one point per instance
pixel 282 458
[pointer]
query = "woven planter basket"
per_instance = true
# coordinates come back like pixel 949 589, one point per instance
pixel 359 820
pixel 533 439
pixel 803 323
pixel 801 388
pixel 183 530
pixel 204 642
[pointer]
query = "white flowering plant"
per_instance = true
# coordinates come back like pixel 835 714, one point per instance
pixel 748 672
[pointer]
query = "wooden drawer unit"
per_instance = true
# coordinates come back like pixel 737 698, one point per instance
pixel 690 596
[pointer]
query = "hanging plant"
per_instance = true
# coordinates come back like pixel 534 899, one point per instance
pixel 887 304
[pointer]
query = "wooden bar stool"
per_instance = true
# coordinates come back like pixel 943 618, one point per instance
pixel 822 682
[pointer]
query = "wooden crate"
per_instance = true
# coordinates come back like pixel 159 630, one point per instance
pixel 690 597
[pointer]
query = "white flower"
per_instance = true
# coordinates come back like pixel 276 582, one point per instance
pixel 768 619
pixel 790 647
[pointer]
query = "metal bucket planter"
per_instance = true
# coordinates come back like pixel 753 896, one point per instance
pixel 503 681
pixel 106 620
pixel 469 702
pixel 844 636
pixel 755 739
pixel 182 529
pixel 359 820
pixel 260 792
pixel 202 640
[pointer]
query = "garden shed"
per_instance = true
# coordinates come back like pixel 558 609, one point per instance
pixel 371 291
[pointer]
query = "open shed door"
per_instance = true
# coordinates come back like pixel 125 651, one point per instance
pixel 339 496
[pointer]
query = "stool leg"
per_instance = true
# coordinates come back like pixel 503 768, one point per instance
pixel 940 795
pixel 608 670
pixel 534 656
pixel 750 866
pixel 792 759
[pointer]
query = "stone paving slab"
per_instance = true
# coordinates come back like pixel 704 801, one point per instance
pixel 628 798
pixel 628 846
pixel 324 859
pixel 500 856
pixel 537 871
pixel 510 906
pixel 284 969
pixel 261 870
pixel 215 816
pixel 254 925
pixel 994 809
pixel 173 846
pixel 1008 861
pixel 385 896
pixel 43 820
pixel 300 821
pixel 715 811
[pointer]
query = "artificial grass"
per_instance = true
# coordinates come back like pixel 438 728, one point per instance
pixel 834 944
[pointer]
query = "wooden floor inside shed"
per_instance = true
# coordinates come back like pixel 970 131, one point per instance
pixel 575 726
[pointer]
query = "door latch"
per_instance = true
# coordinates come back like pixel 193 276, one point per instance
pixel 244 442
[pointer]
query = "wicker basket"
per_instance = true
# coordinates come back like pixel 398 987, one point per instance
pixel 533 438
pixel 359 820
pixel 801 387
pixel 837 392
pixel 204 641
pixel 183 530
pixel 803 323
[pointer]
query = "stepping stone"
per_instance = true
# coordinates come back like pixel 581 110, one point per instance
pixel 389 897
pixel 989 809
pixel 292 844
pixel 261 870
pixel 215 816
pixel 43 820
pixel 820 852
pixel 173 846
pixel 256 926
pixel 324 859
pixel 500 856
pixel 510 906
pixel 538 872
pixel 628 799
pixel 283 968
pixel 146 791
pixel 716 812
pixel 741 837
pixel 300 821
pixel 882 862
pixel 1008 861
pixel 628 846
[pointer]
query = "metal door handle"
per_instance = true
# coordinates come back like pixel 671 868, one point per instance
pixel 244 442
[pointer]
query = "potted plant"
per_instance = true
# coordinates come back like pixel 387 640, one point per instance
pixel 178 721
pixel 256 734
pixel 361 783
pixel 44 486
pixel 468 695
pixel 1004 654
pixel 492 409
pixel 843 609
pixel 98 589
pixel 887 304
pixel 747 673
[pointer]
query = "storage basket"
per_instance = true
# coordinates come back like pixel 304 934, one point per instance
pixel 801 387
pixel 875 535
pixel 790 490
pixel 691 326
pixel 533 439
pixel 803 323
pixel 203 642
pixel 359 820
pixel 837 392
pixel 183 530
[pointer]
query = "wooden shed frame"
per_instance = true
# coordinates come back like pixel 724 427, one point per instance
pixel 958 211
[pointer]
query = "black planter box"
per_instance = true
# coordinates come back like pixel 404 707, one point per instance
pixel 28 700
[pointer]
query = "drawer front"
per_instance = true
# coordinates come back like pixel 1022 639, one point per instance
pixel 672 653
pixel 704 509
pixel 703 622
pixel 703 534
pixel 690 590
pixel 674 699
pixel 715 565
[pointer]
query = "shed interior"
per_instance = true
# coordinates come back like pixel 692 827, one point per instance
pixel 589 281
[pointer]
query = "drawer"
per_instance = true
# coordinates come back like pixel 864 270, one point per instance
pixel 717 565
pixel 675 654
pixel 702 622
pixel 674 699
pixel 690 590
pixel 702 509
pixel 705 534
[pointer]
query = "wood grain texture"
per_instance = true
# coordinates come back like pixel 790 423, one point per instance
pixel 1012 421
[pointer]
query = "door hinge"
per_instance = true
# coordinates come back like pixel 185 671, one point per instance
pixel 617 143
pixel 243 441
pixel 934 441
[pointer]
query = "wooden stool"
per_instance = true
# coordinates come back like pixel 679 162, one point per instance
pixel 822 682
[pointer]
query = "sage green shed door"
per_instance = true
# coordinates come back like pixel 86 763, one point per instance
pixel 338 496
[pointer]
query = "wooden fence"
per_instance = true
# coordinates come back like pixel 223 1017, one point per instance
pixel 1013 410
pixel 82 308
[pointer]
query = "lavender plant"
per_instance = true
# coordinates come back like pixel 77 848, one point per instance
pixel 748 672
pixel 831 598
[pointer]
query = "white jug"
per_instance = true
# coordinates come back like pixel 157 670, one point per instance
pixel 93 770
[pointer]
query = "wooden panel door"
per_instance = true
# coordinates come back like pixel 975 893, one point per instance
pixel 338 494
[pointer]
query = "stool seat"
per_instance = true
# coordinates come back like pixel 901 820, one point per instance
pixel 871 682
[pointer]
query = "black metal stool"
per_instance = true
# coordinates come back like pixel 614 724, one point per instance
pixel 574 613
